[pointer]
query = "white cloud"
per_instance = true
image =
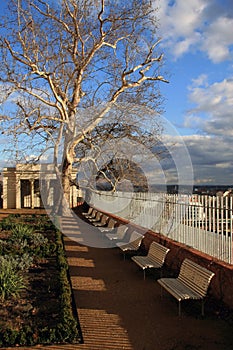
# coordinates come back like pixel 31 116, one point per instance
pixel 196 25
pixel 215 103
pixel 225 165
pixel 183 17
pixel 184 45
pixel 202 80
pixel 211 158
pixel 218 39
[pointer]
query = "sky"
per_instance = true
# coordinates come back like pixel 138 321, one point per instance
pixel 197 42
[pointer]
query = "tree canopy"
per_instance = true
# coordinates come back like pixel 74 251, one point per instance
pixel 65 67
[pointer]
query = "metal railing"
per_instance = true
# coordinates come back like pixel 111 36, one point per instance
pixel 202 222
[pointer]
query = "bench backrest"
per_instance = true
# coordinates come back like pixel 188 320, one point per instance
pixel 104 219
pixel 121 230
pixel 196 277
pixel 157 253
pixel 135 239
pixel 94 213
pixel 111 223
pixel 98 216
pixel 90 210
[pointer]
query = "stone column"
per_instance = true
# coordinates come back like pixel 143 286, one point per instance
pixel 18 191
pixel 32 193
pixel 4 191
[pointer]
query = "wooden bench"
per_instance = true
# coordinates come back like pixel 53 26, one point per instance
pixel 132 245
pixel 120 233
pixel 192 283
pixel 109 227
pixel 154 259
pixel 97 218
pixel 92 215
pixel 102 222
pixel 90 210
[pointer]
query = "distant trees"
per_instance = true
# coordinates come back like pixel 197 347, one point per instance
pixel 123 175
pixel 65 69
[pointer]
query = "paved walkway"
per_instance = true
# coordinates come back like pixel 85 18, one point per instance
pixel 117 309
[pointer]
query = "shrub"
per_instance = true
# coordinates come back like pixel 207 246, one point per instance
pixel 3 246
pixel 37 239
pixel 67 330
pixel 24 239
pixel 9 336
pixel 11 281
pixel 7 223
pixel 20 234
pixel 20 231
pixel 19 262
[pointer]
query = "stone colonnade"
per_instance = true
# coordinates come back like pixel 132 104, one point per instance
pixel 21 187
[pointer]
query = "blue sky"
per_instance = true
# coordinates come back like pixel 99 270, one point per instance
pixel 197 41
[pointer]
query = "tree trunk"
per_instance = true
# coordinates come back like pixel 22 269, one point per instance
pixel 66 179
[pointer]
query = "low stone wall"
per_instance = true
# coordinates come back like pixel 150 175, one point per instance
pixel 221 286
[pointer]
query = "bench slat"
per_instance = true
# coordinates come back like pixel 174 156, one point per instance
pixel 179 290
pixel 196 277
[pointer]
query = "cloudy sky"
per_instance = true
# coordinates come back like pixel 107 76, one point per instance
pixel 198 47
pixel 197 41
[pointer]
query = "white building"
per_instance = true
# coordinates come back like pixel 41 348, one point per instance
pixel 22 184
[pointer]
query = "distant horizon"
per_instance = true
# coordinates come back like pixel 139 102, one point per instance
pixel 228 185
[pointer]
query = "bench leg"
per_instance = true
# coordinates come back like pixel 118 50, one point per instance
pixel 161 291
pixel 144 274
pixel 202 307
pixel 179 308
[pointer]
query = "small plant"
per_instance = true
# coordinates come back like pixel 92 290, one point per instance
pixel 41 222
pixel 21 231
pixel 19 238
pixel 7 223
pixel 3 246
pixel 19 263
pixel 37 239
pixel 11 281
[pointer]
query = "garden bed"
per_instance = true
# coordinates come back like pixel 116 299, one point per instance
pixel 35 294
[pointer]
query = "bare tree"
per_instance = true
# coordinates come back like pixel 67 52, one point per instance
pixel 110 154
pixel 61 59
